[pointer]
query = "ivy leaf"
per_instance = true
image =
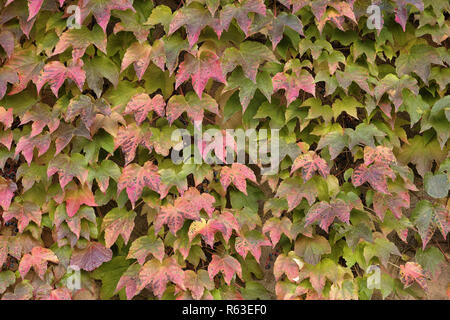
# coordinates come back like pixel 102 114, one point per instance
pixel 28 65
pixel 288 264
pixel 140 54
pixel 412 272
pixel 310 162
pixel 395 203
pixel 98 68
pixel 134 178
pixel 279 23
pixel 55 72
pixel 336 142
pixel 421 151
pixel 192 202
pixel 7 75
pixel 375 174
pixel 275 227
pixel 418 60
pixel 192 105
pixel 38 260
pixel 382 249
pixel 130 280
pixel 157 274
pixel 249 56
pixel 437 185
pixel 68 168
pixel 229 222
pixel 312 249
pixel 240 13
pixel 200 68
pixel 7 278
pixel 91 257
pixel 394 86
pixel 294 190
pixel 379 154
pixel 247 88
pixel 251 241
pixel 102 10
pixel 207 229
pixel 80 40
pixel 6 117
pixel 76 196
pixel 129 138
pixel 170 216
pixel 326 213
pixel 426 217
pixel 141 104
pixel 118 222
pixel 26 145
pixel 107 169
pixel 197 282
pixel 40 115
pixel 144 246
pixel 292 84
pixel 33 8
pixel 7 189
pixel 194 20
pixel 24 213
pixel 65 133
pixel 401 12
pixel 237 173
pixel 225 264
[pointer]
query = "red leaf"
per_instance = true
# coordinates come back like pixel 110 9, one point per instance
pixel 33 8
pixel 293 83
pixel 6 117
pixel 27 144
pixel 227 264
pixel 24 213
pixel 141 104
pixel 134 178
pixel 130 280
pixel 310 162
pixel 412 271
pixel 87 108
pixel 229 222
pixel 401 12
pixel 326 213
pixel 275 227
pixel 38 260
pixel 7 189
pixel 156 275
pixel 76 196
pixel 192 202
pixel 91 257
pixel 56 73
pixel 207 229
pixel 204 66
pixel 395 203
pixel 60 294
pixel 129 137
pixel 289 265
pixel 252 241
pixel 237 174
pixel 376 175
pixel 380 154
pixel 170 216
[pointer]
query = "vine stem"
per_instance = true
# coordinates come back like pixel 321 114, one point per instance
pixel 394 265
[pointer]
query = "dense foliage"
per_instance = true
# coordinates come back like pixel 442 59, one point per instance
pixel 92 90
